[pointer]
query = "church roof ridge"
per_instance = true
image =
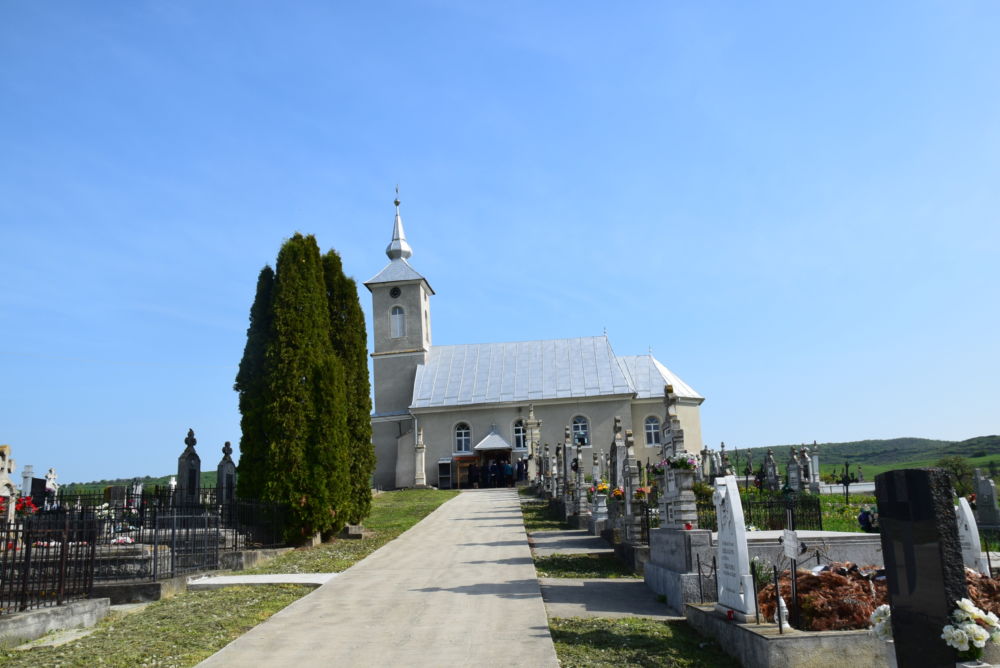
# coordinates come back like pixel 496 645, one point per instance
pixel 649 375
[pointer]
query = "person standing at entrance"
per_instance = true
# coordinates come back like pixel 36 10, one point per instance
pixel 473 476
pixel 508 474
pixel 494 473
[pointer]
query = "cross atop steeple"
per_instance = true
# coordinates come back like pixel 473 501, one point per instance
pixel 398 248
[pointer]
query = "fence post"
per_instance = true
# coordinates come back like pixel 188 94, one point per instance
pixel 26 564
pixel 173 542
pixel 701 590
pixel 777 600
pixel 156 541
pixel 63 547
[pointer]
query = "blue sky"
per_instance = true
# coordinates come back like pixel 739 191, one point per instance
pixel 794 204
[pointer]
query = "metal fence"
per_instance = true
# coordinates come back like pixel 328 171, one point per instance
pixel 770 513
pixel 45 563
pixel 151 536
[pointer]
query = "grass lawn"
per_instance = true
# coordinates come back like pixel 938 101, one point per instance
pixel 537 517
pixel 840 517
pixel 174 632
pixel 633 641
pixel 392 514
pixel 183 630
pixel 582 566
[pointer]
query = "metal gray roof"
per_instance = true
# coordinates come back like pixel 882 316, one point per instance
pixel 397 270
pixel 649 376
pixel 526 371
pixel 493 441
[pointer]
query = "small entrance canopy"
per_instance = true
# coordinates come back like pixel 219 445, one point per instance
pixel 493 441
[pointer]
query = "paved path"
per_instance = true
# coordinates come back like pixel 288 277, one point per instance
pixel 613 597
pixel 220 581
pixel 457 589
pixel 571 541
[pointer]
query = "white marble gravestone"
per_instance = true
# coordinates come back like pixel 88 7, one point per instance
pixel 733 560
pixel 968 536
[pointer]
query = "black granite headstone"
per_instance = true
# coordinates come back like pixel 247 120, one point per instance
pixel 38 491
pixel 225 485
pixel 189 472
pixel 923 562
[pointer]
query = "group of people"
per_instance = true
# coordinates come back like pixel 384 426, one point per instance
pixel 497 473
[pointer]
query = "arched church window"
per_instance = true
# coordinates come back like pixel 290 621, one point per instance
pixel 397 322
pixel 652 430
pixel 581 429
pixel 520 441
pixel 463 437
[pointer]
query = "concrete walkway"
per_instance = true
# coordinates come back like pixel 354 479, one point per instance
pixel 459 588
pixel 220 581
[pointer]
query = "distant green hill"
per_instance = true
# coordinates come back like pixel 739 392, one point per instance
pixel 148 482
pixel 876 456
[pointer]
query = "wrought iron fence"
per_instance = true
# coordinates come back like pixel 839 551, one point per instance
pixel 152 536
pixel 770 513
pixel 45 563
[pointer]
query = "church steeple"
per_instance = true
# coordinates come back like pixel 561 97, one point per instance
pixel 398 248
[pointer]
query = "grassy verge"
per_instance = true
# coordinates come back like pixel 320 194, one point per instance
pixel 582 566
pixel 838 516
pixel 174 632
pixel 537 517
pixel 183 630
pixel 392 514
pixel 614 643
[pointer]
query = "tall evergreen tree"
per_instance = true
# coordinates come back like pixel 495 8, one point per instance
pixel 251 383
pixel 350 341
pixel 298 416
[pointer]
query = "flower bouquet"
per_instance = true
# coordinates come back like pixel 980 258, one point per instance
pixel 683 461
pixel 618 494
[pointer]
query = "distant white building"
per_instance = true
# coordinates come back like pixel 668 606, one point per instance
pixel 471 401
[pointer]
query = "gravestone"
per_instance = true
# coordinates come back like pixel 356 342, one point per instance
pixel 815 481
pixel 673 435
pixel 225 481
pixel 51 488
pixel 533 427
pixel 188 472
pixel 968 536
pixel 771 480
pixel 733 559
pixel 27 473
pixel 794 474
pixel 38 492
pixel 8 490
pixel 987 509
pixel 923 562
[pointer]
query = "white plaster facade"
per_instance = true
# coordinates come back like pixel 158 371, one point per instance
pixel 489 387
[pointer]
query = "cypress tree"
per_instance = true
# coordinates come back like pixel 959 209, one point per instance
pixel 305 414
pixel 251 384
pixel 350 342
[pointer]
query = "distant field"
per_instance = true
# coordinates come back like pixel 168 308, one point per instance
pixel 872 470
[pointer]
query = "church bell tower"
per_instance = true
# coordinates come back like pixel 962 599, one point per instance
pixel 401 314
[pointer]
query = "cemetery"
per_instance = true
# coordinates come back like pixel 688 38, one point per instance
pixel 918 552
pixel 126 543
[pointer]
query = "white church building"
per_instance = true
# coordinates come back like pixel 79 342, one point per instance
pixel 471 402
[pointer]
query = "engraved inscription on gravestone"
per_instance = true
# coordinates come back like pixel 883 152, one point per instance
pixel 968 536
pixel 733 562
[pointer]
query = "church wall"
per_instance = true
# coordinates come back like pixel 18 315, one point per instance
pixel 413 300
pixel 690 417
pixel 393 381
pixel 406 459
pixel 384 437
pixel 439 426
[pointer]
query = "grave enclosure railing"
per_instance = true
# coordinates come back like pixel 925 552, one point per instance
pixel 770 514
pixel 45 564
pixel 154 536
